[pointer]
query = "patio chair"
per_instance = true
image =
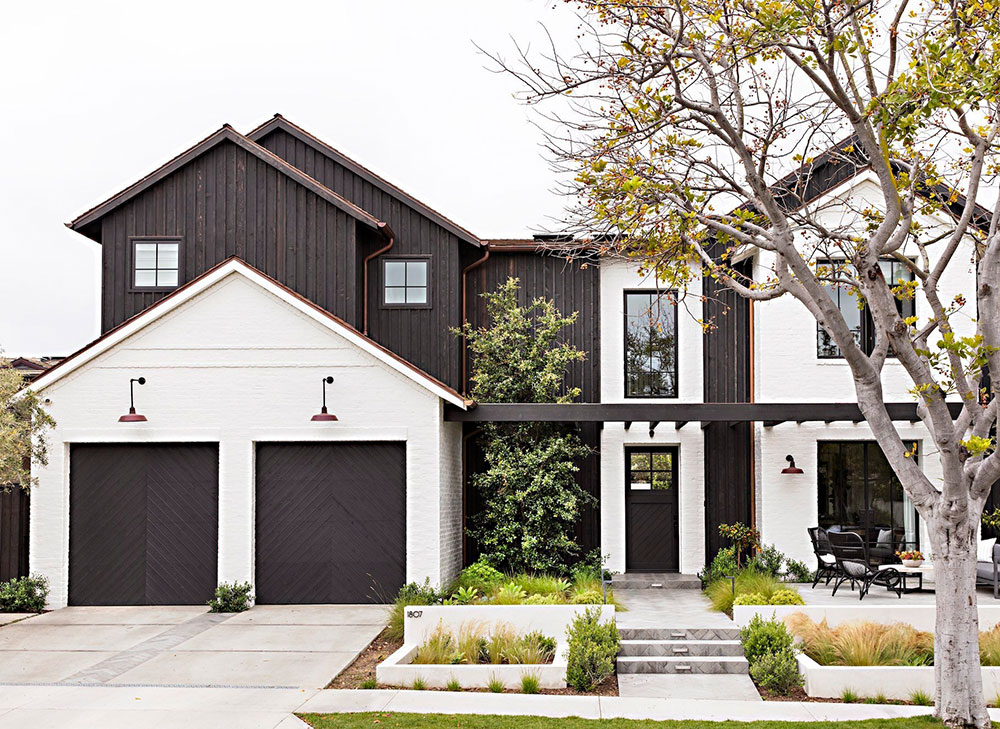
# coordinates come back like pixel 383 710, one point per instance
pixel 826 563
pixel 851 554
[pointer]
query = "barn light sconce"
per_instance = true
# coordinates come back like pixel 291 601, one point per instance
pixel 132 416
pixel 323 416
pixel 791 467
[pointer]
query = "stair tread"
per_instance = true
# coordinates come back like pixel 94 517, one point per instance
pixel 679 641
pixel 685 659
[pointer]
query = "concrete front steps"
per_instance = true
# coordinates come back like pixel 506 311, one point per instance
pixel 655 580
pixel 681 650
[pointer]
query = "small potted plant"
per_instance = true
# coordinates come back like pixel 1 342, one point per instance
pixel 911 558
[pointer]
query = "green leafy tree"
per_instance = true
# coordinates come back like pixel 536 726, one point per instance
pixel 679 125
pixel 23 425
pixel 531 500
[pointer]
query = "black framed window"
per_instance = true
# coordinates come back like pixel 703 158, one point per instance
pixel 406 282
pixel 652 469
pixel 650 344
pixel 859 492
pixel 859 318
pixel 156 263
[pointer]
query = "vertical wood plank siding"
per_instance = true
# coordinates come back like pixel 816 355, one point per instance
pixel 571 287
pixel 224 203
pixel 420 336
pixel 13 534
pixel 727 379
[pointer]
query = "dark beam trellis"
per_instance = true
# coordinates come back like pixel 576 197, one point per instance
pixel 770 414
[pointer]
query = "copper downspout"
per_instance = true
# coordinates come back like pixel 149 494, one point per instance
pixel 465 358
pixel 386 231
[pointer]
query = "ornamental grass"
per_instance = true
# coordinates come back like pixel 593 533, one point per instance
pixel 474 645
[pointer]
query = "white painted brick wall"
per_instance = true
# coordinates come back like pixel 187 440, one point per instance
pixel 236 365
pixel 616 278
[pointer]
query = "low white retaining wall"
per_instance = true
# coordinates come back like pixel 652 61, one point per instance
pixel 421 621
pixel 893 682
pixel 920 617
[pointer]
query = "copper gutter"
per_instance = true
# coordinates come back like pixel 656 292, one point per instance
pixel 386 231
pixel 465 320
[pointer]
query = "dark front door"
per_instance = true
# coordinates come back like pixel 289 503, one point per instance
pixel 331 522
pixel 651 529
pixel 143 524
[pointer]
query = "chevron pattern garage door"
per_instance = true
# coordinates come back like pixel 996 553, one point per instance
pixel 144 524
pixel 331 522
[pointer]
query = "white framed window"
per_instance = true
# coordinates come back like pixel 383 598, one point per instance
pixel 156 264
pixel 406 282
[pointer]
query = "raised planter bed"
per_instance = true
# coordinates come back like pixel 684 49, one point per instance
pixel 421 621
pixel 893 682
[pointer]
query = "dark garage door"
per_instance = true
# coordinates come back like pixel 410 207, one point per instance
pixel 331 522
pixel 143 524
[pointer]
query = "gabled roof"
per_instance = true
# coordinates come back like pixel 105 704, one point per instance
pixel 279 122
pixel 212 276
pixel 846 160
pixel 225 134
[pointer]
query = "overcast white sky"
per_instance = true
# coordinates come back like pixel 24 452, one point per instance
pixel 97 94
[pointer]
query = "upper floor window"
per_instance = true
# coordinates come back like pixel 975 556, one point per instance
pixel 406 282
pixel 650 344
pixel 156 264
pixel 858 318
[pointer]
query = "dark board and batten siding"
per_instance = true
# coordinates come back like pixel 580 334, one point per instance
pixel 229 203
pixel 14 505
pixel 571 287
pixel 420 336
pixel 728 447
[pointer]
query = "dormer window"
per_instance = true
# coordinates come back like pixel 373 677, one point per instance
pixel 156 263
pixel 406 282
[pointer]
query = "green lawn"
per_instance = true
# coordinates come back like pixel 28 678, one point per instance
pixel 386 720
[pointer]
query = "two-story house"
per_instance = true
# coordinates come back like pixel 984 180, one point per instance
pixel 276 396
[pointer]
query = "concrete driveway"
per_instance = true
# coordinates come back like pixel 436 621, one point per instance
pixel 300 646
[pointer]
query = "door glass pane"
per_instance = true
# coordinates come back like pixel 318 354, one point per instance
pixel 662 480
pixel 395 273
pixel 640 461
pixel 145 257
pixel 662 461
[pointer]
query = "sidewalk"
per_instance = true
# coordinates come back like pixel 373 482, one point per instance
pixel 125 707
pixel 600 707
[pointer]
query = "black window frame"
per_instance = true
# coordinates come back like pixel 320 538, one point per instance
pixel 658 293
pixel 673 450
pixel 869 446
pixel 866 335
pixel 137 239
pixel 427 259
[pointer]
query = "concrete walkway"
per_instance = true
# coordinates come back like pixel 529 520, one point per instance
pixel 675 609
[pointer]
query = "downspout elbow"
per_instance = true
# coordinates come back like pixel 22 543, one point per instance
pixel 390 237
pixel 465 319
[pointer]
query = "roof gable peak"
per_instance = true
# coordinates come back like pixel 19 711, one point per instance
pixel 278 122
pixel 224 134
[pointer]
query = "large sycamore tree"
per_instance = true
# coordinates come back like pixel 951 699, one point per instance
pixel 680 123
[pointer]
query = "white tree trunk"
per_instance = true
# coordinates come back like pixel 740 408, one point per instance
pixel 957 668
